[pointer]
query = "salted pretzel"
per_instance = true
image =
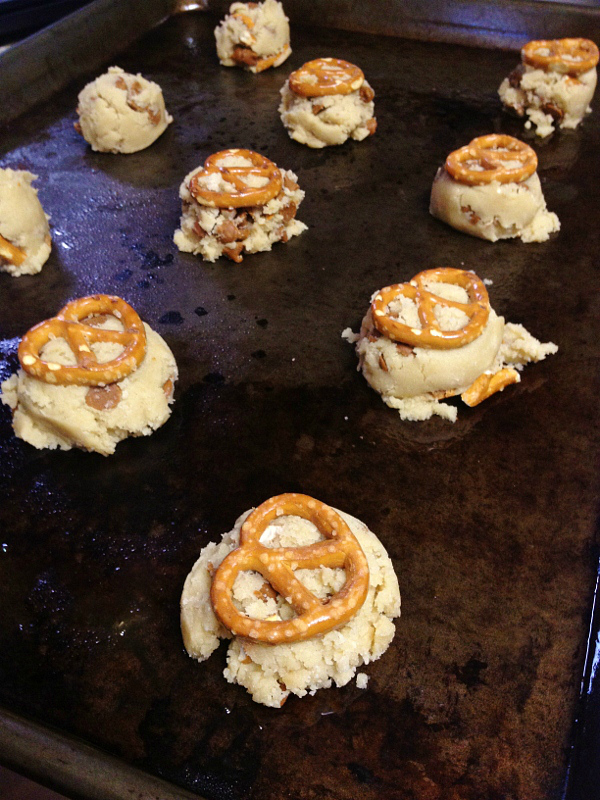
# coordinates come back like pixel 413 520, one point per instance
pixel 241 194
pixel 430 334
pixel 488 384
pixel 567 56
pixel 9 252
pixel 340 549
pixel 70 324
pixel 325 76
pixel 491 158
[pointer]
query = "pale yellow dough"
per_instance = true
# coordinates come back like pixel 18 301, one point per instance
pixel 271 672
pixel 23 222
pixel 494 210
pixel 55 416
pixel 122 113
pixel 261 27
pixel 416 383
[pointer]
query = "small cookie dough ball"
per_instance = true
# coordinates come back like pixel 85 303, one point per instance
pixel 491 189
pixel 238 202
pixel 121 113
pixel 25 242
pixel 553 85
pixel 326 102
pixel 255 36
pixel 49 412
pixel 464 348
pixel 271 672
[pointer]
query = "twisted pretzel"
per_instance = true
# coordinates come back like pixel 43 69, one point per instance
pixel 241 194
pixel 277 564
pixel 484 160
pixel 567 56
pixel 79 336
pixel 430 334
pixel 11 253
pixel 326 76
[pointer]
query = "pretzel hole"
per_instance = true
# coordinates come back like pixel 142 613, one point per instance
pixel 448 318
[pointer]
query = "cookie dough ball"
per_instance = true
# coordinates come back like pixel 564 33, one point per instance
pixel 553 85
pixel 327 101
pixel 491 189
pixel 409 361
pixel 255 36
pixel 50 413
pixel 121 113
pixel 238 202
pixel 25 242
pixel 270 672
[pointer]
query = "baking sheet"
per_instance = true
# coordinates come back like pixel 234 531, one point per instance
pixel 490 521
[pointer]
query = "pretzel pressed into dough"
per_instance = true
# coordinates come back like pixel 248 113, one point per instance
pixel 567 56
pixel 68 325
pixel 9 252
pixel 430 334
pixel 325 76
pixel 492 158
pixel 340 549
pixel 242 193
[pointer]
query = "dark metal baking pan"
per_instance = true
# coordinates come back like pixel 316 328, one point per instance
pixel 490 521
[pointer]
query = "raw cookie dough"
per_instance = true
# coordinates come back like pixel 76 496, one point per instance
pixel 326 102
pixel 25 242
pixel 255 36
pixel 415 379
pixel 220 217
pixel 121 113
pixel 271 672
pixel 553 85
pixel 51 415
pixel 502 208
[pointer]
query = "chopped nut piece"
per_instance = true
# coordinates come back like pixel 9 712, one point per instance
pixel 383 363
pixel 244 55
pixel 366 93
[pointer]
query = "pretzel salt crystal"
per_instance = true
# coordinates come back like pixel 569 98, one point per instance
pixel 324 76
pixel 488 384
pixel 68 324
pixel 241 194
pixel 430 334
pixel 11 253
pixel 340 549
pixel 485 160
pixel 567 56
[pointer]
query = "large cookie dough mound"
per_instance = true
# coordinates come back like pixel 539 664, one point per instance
pixel 23 225
pixel 255 36
pixel 50 416
pixel 212 231
pixel 271 672
pixel 414 380
pixel 495 210
pixel 327 119
pixel 121 113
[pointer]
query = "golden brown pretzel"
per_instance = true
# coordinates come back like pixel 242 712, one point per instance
pixel 11 253
pixel 485 160
pixel 277 564
pixel 67 324
pixel 430 334
pixel 325 76
pixel 488 384
pixel 242 194
pixel 567 56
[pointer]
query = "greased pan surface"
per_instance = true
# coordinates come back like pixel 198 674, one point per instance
pixel 490 521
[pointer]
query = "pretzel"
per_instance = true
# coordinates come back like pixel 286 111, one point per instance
pixel 488 384
pixel 567 56
pixel 67 324
pixel 242 194
pixel 267 61
pixel 9 252
pixel 430 334
pixel 340 549
pixel 484 160
pixel 326 76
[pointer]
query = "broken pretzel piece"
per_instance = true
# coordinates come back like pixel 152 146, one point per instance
pixel 488 384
